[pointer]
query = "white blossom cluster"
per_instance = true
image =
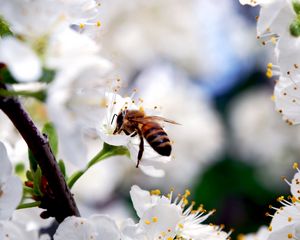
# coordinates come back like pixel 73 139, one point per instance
pixel 285 224
pixel 161 217
pixel 278 25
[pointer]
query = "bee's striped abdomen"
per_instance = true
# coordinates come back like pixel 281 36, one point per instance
pixel 157 138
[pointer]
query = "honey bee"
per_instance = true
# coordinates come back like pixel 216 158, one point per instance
pixel 135 122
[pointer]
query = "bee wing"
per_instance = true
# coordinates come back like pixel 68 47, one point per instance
pixel 147 119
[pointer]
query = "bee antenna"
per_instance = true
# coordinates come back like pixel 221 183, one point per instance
pixel 112 120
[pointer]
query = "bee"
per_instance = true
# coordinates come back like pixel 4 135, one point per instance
pixel 135 122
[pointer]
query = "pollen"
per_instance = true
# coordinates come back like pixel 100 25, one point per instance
pixel 155 192
pixel 180 225
pixel 269 73
pixel 155 219
pixel 270 228
pixel 147 222
pixel 295 165
pixel 290 235
pixel 98 24
pixel 81 25
pixel 281 198
pixel 273 98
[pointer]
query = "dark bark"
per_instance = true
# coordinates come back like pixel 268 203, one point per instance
pixel 58 200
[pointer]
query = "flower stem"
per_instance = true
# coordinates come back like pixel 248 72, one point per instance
pixel 29 205
pixel 39 95
pixel 106 152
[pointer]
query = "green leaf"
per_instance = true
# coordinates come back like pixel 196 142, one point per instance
pixel 4 28
pixel 296 6
pixel 50 131
pixel 32 161
pixel 29 175
pixel 62 167
pixel 37 178
pixel 295 28
pixel 6 77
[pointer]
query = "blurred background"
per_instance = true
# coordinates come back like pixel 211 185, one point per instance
pixel 200 64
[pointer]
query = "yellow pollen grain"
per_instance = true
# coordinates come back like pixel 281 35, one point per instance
pixel 187 192
pixel 154 219
pixel 98 24
pixel 289 219
pixel 163 234
pixel 270 65
pixel 180 225
pixel 241 237
pixel 269 73
pixel 295 165
pixel 281 198
pixel 155 192
pixel 273 40
pixel 81 25
pixel 169 238
pixel 273 98
pixel 270 228
pixel 290 235
pixel 147 222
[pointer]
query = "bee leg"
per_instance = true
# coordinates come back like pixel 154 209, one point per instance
pixel 133 135
pixel 141 150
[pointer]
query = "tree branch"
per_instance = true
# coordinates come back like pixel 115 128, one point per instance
pixel 60 200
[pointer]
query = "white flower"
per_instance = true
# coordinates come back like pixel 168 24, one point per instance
pixel 38 18
pixel 10 230
pixel 259 135
pixel 164 218
pixel 262 234
pixel 275 16
pixel 46 38
pixel 285 223
pixel 76 96
pixel 116 103
pixel 20 59
pixel 10 186
pixel 96 227
pixel 287 96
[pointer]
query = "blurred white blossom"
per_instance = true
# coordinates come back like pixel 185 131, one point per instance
pixel 11 189
pixel 45 38
pixel 189 34
pixel 259 134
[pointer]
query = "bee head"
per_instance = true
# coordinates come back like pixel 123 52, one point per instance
pixel 120 119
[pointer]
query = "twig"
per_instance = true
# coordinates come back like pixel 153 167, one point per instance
pixel 60 202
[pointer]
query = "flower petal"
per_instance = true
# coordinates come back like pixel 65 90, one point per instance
pixel 6 167
pixel 22 62
pixel 105 227
pixel 141 200
pixel 295 186
pixel 97 227
pixel 10 196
